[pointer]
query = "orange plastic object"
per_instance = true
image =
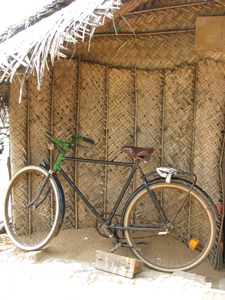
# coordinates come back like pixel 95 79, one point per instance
pixel 219 206
pixel 193 243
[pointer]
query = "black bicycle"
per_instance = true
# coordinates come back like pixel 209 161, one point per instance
pixel 169 214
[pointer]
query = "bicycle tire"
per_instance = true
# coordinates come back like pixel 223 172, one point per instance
pixel 32 228
pixel 192 234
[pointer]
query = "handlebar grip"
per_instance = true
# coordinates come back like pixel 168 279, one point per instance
pixel 49 135
pixel 88 141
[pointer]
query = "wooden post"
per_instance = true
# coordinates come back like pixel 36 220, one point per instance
pixel 194 122
pixel 163 117
pixel 135 121
pixel 76 148
pixel 52 114
pixel 106 141
pixel 28 154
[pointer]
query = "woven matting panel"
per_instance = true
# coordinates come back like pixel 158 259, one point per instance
pixel 39 116
pixel 92 124
pixel 149 115
pixel 18 127
pixel 65 112
pixel 121 113
pixel 107 115
pixel 152 51
pixel 179 118
pixel 210 112
pixel 164 19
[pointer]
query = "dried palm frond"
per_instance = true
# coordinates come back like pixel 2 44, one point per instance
pixel 31 48
pixel 34 18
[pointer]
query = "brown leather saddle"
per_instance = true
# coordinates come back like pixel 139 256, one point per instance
pixel 137 152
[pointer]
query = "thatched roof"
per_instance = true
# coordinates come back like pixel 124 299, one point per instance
pixel 32 19
pixel 29 49
pixel 26 47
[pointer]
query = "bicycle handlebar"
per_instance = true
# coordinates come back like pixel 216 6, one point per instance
pixel 88 141
pixel 65 145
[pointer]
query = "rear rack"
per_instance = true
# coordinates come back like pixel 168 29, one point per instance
pixel 168 173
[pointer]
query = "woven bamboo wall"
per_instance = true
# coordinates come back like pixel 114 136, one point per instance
pixel 18 128
pixel 154 50
pixel 92 124
pixel 210 111
pixel 121 112
pixel 179 112
pixel 154 91
pixel 178 117
pixel 39 109
pixel 149 114
pixel 63 119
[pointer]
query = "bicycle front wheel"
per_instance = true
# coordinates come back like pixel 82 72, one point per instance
pixel 181 246
pixel 31 227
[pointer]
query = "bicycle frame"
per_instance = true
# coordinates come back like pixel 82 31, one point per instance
pixel 134 167
pixel 62 146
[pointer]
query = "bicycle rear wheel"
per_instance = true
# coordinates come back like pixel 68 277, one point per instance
pixel 31 228
pixel 191 235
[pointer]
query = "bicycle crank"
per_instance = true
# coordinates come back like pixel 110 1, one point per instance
pixel 108 233
pixel 118 245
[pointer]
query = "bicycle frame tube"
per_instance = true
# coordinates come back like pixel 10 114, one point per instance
pixel 156 203
pixel 115 163
pixel 102 162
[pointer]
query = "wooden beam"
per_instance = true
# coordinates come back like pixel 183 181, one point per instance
pixel 130 5
pixel 153 9
pixel 159 32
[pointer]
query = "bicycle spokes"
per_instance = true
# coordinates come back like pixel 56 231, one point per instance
pixel 175 245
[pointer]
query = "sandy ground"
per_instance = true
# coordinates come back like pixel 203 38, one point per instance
pixel 65 267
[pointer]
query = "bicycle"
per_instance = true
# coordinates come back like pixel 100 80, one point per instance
pixel 169 214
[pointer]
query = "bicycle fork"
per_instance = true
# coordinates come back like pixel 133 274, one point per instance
pixel 39 193
pixel 156 202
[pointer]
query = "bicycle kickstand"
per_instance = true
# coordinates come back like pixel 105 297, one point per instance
pixel 118 245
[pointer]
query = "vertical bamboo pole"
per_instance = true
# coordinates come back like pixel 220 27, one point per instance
pixel 135 120
pixel 163 117
pixel 193 144
pixel 29 156
pixel 76 148
pixel 52 114
pixel 106 137
pixel 52 132
pixel 28 124
pixel 218 263
pixel 9 165
pixel 163 124
pixel 194 120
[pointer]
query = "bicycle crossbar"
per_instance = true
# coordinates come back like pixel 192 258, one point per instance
pixel 104 162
